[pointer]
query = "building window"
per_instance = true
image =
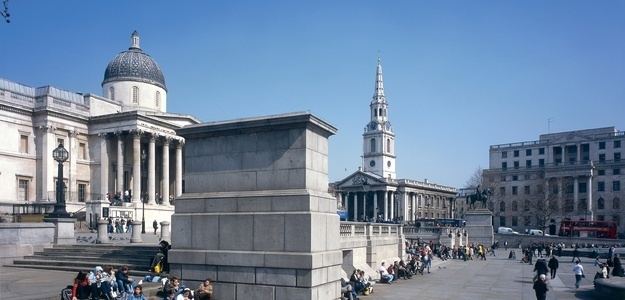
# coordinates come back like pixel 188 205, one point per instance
pixel 528 163
pixel 581 187
pixel 616 186
pixel 616 171
pixel 23 144
pixel 22 189
pixel 541 162
pixel 568 205
pixel 600 186
pixel 515 190
pixel 502 191
pixel 82 192
pixel 528 152
pixel 504 165
pixel 601 145
pixel 526 189
pixel 502 206
pixel 582 205
pixel 617 156
pixel 157 99
pixel 602 157
pixel 617 144
pixel 516 164
pixel 491 206
pixel 60 142
pixel 82 151
pixel 504 154
pixel 616 203
pixel 503 178
pixel 514 205
pixel 502 221
pixel 616 219
pixel 600 218
pixel 112 93
pixel 601 172
pixel 600 203
pixel 515 177
pixel 135 94
pixel 527 220
pixel 541 151
pixel 372 142
pixel 388 145
pixel 515 221
pixel 526 205
pixel 516 153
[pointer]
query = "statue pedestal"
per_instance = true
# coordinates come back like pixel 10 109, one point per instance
pixel 479 227
pixel 64 230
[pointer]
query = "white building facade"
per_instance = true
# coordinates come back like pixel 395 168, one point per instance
pixel 373 193
pixel 121 143
pixel 573 175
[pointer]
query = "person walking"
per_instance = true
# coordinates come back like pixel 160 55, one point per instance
pixel 540 287
pixel 155 226
pixel 553 266
pixel 575 254
pixel 578 270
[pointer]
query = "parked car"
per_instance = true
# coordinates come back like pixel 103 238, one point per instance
pixel 535 232
pixel 506 230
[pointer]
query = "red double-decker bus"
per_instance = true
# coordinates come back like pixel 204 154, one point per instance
pixel 594 229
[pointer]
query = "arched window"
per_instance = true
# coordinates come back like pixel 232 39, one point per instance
pixel 372 145
pixel 514 205
pixel 502 206
pixel 135 94
pixel 157 99
pixel 380 112
pixel 375 112
pixel 569 205
pixel 616 203
pixel 388 145
pixel 491 206
pixel 582 205
pixel 526 205
pixel 600 203
pixel 112 93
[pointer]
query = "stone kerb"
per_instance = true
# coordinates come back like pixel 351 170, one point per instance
pixel 256 215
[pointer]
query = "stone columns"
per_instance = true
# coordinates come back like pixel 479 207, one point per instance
pixel 575 193
pixel 47 163
pixel 375 206
pixel 385 205
pixel 356 206
pixel 165 189
pixel 103 236
pixel 364 205
pixel 165 232
pixel 589 189
pixel 346 198
pixel 136 167
pixel 178 190
pixel 413 199
pixel 120 164
pixel 135 235
pixel 392 205
pixel 152 170
pixel 104 166
pixel 72 187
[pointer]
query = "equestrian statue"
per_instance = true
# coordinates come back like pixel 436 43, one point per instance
pixel 481 196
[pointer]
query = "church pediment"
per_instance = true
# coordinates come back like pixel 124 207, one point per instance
pixel 360 178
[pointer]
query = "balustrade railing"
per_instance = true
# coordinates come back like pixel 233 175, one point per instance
pixel 358 229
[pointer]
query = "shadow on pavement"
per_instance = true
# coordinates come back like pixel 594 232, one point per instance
pixel 589 295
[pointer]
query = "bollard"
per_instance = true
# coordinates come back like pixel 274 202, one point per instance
pixel 103 235
pixel 136 232
pixel 165 235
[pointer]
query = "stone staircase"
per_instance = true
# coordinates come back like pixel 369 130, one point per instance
pixel 85 257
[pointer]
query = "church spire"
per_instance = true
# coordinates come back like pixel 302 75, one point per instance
pixel 378 94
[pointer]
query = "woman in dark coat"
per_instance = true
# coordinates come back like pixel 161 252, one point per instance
pixel 540 287
pixel 618 268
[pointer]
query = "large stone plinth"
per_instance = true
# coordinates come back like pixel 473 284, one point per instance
pixel 256 215
pixel 64 230
pixel 479 227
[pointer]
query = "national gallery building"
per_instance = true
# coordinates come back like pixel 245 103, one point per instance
pixel 122 145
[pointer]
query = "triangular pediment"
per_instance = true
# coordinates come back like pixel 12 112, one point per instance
pixel 360 178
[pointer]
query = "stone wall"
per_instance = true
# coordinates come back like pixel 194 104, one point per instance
pixel 256 216
pixel 22 239
pixel 524 239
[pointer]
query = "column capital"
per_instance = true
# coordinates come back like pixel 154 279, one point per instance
pixel 73 133
pixel 137 132
pixel 166 139
pixel 180 142
pixel 47 128
pixel 153 136
pixel 104 135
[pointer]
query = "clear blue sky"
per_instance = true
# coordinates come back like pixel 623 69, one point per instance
pixel 459 75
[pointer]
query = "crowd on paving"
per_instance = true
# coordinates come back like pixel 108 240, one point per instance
pixel 116 284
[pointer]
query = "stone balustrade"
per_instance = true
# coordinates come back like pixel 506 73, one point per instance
pixel 359 229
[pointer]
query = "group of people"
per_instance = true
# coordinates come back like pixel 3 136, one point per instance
pixel 174 289
pixel 107 283
pixel 359 284
pixel 119 225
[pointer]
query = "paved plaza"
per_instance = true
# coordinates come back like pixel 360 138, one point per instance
pixel 494 279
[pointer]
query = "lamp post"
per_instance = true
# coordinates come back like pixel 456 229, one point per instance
pixel 143 156
pixel 61 155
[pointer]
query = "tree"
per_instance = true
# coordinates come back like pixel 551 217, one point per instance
pixel 544 210
pixel 475 179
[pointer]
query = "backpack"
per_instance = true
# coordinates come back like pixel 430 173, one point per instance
pixel 66 293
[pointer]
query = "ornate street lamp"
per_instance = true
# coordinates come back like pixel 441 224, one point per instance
pixel 143 157
pixel 61 155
